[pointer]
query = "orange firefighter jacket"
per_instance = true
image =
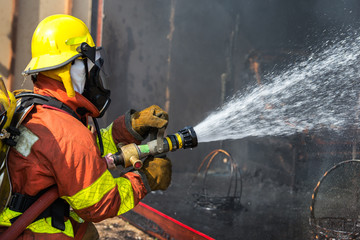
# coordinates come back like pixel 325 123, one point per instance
pixel 55 148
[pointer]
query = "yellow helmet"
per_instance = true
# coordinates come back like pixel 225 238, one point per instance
pixel 56 42
pixel 7 106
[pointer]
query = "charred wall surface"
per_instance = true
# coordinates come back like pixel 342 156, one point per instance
pixel 189 57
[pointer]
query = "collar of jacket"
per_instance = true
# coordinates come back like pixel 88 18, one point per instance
pixel 50 87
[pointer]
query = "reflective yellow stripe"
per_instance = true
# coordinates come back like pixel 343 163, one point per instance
pixel 179 140
pixel 6 215
pixel 170 143
pixel 93 194
pixel 84 198
pixel 40 226
pixel 126 195
pixel 108 141
pixel 44 226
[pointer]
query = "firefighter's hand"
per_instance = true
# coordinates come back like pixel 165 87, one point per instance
pixel 157 172
pixel 150 118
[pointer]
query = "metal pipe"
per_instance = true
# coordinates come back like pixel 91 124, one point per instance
pixel 68 7
pixel 13 38
pixel 99 27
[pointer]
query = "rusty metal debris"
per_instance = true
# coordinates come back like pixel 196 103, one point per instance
pixel 211 201
pixel 334 227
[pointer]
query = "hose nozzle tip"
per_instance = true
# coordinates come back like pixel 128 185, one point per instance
pixel 189 137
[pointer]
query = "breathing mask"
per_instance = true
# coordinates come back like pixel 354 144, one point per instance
pixel 95 75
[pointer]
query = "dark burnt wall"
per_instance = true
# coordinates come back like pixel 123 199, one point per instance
pixel 189 57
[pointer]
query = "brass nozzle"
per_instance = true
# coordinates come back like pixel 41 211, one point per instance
pixel 132 154
pixel 129 156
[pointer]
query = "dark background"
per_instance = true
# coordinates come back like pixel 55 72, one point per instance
pixel 190 56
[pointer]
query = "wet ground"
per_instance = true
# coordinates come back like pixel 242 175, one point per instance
pixel 267 212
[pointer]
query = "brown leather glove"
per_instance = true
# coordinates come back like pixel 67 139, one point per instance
pixel 157 172
pixel 152 117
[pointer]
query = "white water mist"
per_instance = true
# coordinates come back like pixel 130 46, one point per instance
pixel 320 92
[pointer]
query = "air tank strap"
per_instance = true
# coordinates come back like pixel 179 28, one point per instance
pixel 57 210
pixel 27 99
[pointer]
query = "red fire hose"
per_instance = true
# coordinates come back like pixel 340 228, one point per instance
pixel 30 214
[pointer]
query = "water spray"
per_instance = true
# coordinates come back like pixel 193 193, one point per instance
pixel 320 92
pixel 133 155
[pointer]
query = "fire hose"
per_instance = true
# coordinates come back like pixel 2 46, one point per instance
pixel 128 155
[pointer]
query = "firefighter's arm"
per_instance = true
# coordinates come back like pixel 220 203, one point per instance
pixel 85 183
pixel 133 127
pixel 94 194
pixel 108 197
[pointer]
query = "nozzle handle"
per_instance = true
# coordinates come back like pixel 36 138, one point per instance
pixel 118 159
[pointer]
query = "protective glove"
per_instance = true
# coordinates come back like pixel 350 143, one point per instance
pixel 152 117
pixel 157 172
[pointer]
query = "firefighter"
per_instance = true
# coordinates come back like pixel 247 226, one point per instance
pixel 56 147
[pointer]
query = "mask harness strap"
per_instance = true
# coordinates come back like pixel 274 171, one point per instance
pixel 99 136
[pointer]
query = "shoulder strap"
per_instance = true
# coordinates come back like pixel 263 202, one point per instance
pixel 26 102
pixel 28 99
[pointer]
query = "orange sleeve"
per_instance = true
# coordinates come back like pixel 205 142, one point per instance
pixel 123 132
pixel 69 150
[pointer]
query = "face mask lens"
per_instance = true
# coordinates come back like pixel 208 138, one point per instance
pixel 95 78
pixel 102 63
pixel 95 90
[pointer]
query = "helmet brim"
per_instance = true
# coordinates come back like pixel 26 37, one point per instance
pixel 41 64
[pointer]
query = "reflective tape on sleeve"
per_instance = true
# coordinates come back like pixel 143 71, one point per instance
pixel 126 194
pixel 108 141
pixel 96 191
pixel 93 194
